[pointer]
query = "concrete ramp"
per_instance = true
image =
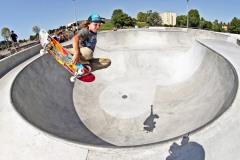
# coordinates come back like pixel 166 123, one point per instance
pixel 160 85
pixel 42 93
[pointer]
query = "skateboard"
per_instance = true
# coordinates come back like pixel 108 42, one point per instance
pixel 50 45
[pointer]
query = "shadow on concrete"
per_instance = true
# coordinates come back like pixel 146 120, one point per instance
pixel 186 151
pixel 149 123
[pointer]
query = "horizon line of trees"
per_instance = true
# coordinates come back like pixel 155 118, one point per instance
pixel 195 21
pixel 119 19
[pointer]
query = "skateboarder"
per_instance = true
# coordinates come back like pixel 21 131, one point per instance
pixel 84 43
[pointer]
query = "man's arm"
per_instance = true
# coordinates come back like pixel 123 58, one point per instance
pixel 76 54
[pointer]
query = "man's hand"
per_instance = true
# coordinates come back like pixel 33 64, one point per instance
pixel 76 58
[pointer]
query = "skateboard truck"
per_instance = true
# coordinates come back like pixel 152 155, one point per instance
pixel 80 72
pixel 45 47
pixel 77 74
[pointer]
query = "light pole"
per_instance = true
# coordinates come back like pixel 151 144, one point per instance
pixel 187 13
pixel 75 13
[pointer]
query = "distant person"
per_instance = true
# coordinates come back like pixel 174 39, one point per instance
pixel 74 29
pixel 84 43
pixel 115 29
pixel 54 35
pixel 14 40
pixel 62 36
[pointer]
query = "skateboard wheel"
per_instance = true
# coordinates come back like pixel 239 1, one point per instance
pixel 80 71
pixel 42 52
pixel 72 79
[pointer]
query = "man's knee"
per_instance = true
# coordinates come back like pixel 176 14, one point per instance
pixel 87 53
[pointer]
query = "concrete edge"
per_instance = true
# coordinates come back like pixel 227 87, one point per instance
pixel 14 60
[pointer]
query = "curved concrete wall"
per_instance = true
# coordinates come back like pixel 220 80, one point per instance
pixel 12 61
pixel 42 93
pixel 154 38
pixel 188 84
pixel 187 91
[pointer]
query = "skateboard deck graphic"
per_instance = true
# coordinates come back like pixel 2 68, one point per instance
pixel 61 55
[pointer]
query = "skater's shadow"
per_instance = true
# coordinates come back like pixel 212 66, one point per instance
pixel 186 151
pixel 149 123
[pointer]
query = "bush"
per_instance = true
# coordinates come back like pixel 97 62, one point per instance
pixel 142 24
pixel 3 47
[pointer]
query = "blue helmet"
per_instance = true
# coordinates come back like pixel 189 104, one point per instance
pixel 96 18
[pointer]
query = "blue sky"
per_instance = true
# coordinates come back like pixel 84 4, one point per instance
pixel 22 15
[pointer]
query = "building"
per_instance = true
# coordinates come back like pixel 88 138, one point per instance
pixel 225 28
pixel 168 18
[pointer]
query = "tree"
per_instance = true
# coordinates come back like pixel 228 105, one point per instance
pixel 32 38
pixel 2 45
pixel 51 31
pixel 216 26
pixel 181 21
pixel 5 34
pixel 62 27
pixel 194 18
pixel 117 12
pixel 117 18
pixel 120 19
pixel 142 17
pixel 154 19
pixel 149 12
pixel 21 41
pixel 209 25
pixel 234 26
pixel 204 24
pixel 36 30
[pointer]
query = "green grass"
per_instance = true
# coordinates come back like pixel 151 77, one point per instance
pixel 108 26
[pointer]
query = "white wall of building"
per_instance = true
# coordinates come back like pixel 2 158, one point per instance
pixel 168 18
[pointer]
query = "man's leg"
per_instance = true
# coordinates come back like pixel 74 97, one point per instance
pixel 99 63
pixel 14 46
